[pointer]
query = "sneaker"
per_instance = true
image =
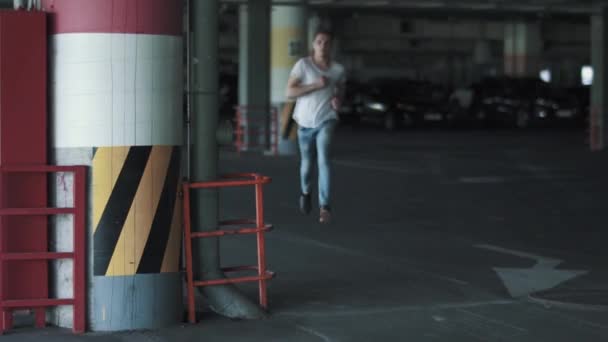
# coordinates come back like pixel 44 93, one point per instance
pixel 305 206
pixel 324 215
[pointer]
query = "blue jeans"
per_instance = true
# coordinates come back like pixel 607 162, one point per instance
pixel 308 139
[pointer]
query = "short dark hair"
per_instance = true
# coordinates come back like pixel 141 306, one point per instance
pixel 323 31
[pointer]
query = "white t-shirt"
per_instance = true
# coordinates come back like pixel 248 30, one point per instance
pixel 314 108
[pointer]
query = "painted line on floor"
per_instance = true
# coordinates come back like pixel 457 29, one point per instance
pixel 482 180
pixel 500 179
pixel 520 254
pixel 319 244
pixel 314 333
pixel 363 166
pixel 494 321
pixel 379 311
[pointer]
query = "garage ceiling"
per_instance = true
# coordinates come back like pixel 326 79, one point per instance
pixel 511 6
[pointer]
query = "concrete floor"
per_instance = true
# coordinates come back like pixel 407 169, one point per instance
pixel 434 233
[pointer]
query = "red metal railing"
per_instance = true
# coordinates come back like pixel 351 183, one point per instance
pixel 7 305
pixel 257 227
pixel 249 131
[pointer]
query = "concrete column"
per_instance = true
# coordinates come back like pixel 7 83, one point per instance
pixel 482 58
pixel 509 49
pixel 258 71
pixel 288 44
pixel 243 65
pixel 254 70
pixel 116 93
pixel 243 54
pixel 522 49
pixel 226 300
pixel 314 23
pixel 599 89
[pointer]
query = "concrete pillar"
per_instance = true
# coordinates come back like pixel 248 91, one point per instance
pixel 599 89
pixel 314 23
pixel 288 44
pixel 254 70
pixel 522 49
pixel 226 300
pixel 258 69
pixel 243 54
pixel 482 59
pixel 116 90
pixel 243 66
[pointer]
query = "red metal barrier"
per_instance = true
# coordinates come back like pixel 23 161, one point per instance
pixel 266 127
pixel 7 305
pixel 255 226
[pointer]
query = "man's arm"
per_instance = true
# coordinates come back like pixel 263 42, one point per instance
pixel 295 88
pixel 340 90
pixel 337 99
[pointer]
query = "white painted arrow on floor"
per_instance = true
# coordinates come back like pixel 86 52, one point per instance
pixel 524 281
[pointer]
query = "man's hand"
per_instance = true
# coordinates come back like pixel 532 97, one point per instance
pixel 322 82
pixel 295 88
pixel 336 103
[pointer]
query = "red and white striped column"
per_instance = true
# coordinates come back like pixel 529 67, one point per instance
pixel 116 96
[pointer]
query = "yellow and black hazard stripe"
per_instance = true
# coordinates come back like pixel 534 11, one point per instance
pixel 136 210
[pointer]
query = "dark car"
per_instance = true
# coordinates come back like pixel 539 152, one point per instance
pixel 582 95
pixel 505 102
pixel 490 101
pixel 514 102
pixel 372 102
pixel 554 106
pixel 420 103
pixel 396 102
pixel 347 112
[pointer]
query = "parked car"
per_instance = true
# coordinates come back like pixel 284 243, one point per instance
pixel 422 103
pixel 372 102
pixel 490 101
pixel 514 102
pixel 582 94
pixel 555 106
pixel 347 112
pixel 393 103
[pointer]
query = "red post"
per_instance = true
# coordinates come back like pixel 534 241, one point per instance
pixel 7 320
pixel 5 315
pixel 259 208
pixel 79 272
pixel 188 245
pixel 40 317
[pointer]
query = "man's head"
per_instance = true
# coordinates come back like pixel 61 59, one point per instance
pixel 321 44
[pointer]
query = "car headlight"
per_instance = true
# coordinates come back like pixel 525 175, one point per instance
pixel 377 106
